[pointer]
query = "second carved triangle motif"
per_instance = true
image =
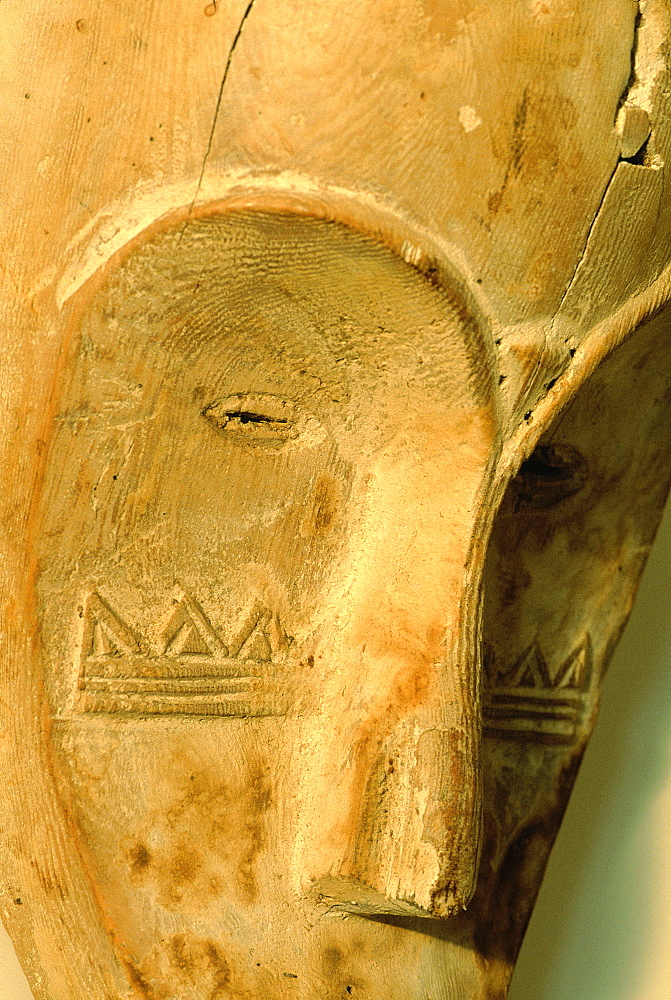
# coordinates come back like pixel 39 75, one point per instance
pixel 576 669
pixel 253 641
pixel 189 633
pixel 532 670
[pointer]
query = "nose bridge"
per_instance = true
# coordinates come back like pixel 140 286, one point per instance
pixel 392 790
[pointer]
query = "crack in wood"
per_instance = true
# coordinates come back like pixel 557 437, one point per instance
pixel 588 238
pixel 633 74
pixel 630 82
pixel 217 108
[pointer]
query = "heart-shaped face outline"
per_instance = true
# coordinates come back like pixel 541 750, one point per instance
pixel 523 431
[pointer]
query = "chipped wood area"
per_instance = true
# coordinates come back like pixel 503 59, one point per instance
pixel 336 394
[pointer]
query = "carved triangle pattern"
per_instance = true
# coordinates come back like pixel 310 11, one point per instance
pixel 190 670
pixel 531 670
pixel 105 632
pixel 534 701
pixel 253 641
pixel 189 633
pixel 574 672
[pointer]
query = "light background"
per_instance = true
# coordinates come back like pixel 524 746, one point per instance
pixel 602 927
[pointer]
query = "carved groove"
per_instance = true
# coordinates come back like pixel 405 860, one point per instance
pixel 194 673
pixel 531 700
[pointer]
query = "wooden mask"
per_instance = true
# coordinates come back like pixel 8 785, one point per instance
pixel 333 459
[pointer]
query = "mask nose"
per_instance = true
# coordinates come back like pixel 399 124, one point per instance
pixel 391 794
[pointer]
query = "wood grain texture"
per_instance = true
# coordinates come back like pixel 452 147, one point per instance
pixel 335 389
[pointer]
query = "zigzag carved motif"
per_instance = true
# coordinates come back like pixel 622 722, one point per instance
pixel 191 670
pixel 531 669
pixel 531 699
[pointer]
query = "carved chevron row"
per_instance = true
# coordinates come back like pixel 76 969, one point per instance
pixel 530 698
pixel 191 670
pixel 532 670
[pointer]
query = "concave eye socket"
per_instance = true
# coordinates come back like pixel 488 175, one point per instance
pixel 552 473
pixel 258 417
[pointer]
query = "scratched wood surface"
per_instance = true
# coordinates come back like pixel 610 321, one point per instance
pixel 336 393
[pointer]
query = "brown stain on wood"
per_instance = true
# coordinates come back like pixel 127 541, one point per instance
pixel 323 506
pixel 139 857
pixel 182 967
pixel 140 983
pixel 205 842
pixel 341 970
pixel 534 145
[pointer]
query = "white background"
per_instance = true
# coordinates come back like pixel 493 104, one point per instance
pixel 602 927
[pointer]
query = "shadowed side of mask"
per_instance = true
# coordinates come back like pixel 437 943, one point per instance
pixel 568 545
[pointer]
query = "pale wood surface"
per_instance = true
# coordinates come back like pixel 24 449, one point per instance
pixel 611 841
pixel 480 144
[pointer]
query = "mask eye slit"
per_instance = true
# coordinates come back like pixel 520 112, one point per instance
pixel 248 417
pixel 252 418
pixel 551 474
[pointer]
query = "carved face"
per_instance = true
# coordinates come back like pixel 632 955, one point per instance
pixel 275 462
